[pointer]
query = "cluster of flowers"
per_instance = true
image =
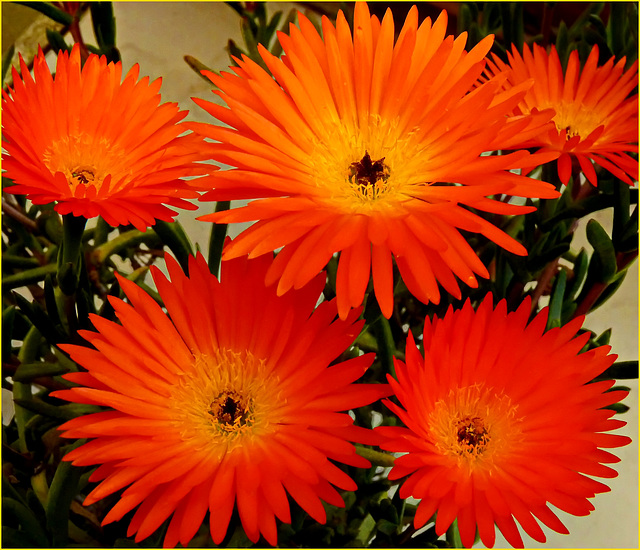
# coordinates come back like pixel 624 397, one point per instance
pixel 356 143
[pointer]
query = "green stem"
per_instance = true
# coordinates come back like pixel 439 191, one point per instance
pixel 216 242
pixel 69 254
pixel 386 344
pixel 28 277
pixel 453 535
pixel 122 241
pixel 28 354
pixel 376 458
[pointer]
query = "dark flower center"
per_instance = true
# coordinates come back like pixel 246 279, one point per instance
pixel 83 175
pixel 230 410
pixel 472 435
pixel 367 173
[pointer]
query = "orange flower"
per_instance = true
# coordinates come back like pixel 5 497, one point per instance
pixel 356 146
pixel 96 145
pixel 595 119
pixel 500 420
pixel 232 399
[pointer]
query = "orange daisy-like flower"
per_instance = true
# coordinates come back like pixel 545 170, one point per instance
pixel 595 119
pixel 500 420
pixel 355 147
pixel 231 400
pixel 97 145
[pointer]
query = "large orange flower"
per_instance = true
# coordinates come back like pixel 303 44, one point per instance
pixel 356 146
pixel 231 400
pixel 595 118
pixel 500 420
pixel 97 145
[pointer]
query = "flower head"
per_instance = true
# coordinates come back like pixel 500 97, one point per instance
pixel 97 145
pixel 500 420
pixel 372 148
pixel 230 400
pixel 595 118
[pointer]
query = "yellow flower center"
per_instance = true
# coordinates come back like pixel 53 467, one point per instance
pixel 85 161
pixel 576 119
pixel 473 425
pixel 228 398
pixel 367 169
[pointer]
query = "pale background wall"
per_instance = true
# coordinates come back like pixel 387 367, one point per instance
pixel 158 35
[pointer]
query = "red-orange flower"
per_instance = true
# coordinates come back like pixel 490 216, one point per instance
pixel 500 420
pixel 230 400
pixel 373 148
pixel 97 145
pixel 595 118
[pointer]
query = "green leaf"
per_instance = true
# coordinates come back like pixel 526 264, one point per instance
pixel 216 241
pixel 27 277
pixel 365 530
pixel 453 535
pixel 62 412
pixel 562 44
pixel 621 370
pixel 57 42
pixel 24 517
pixel 557 300
pixel 620 408
pixel 61 493
pixel 104 26
pixel 198 67
pixel 48 9
pixel 628 238
pixel 8 318
pixel 603 339
pixel 580 268
pixel 26 372
pixel 174 237
pixel 386 527
pixel 604 251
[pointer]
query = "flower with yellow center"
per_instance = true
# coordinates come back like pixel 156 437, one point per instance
pixel 500 420
pixel 371 147
pixel 596 116
pixel 96 145
pixel 231 402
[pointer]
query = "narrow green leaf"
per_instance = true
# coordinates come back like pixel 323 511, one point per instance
pixel 216 241
pixel 26 372
pixel 453 535
pixel 24 517
pixel 621 370
pixel 628 239
pixel 198 67
pixel 8 318
pixel 620 408
pixel 61 493
pixel 174 237
pixel 603 339
pixel 557 300
pixel 580 267
pixel 562 44
pixel 48 9
pixel 365 530
pixel 62 412
pixel 104 25
pixel 57 42
pixel 27 277
pixel 603 250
